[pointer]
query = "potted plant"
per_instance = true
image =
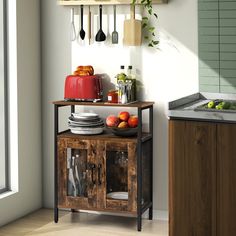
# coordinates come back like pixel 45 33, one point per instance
pixel 148 29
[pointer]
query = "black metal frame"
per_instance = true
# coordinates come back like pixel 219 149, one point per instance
pixel 140 207
pixel 55 164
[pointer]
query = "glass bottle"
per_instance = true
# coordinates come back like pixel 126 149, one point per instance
pixel 131 85
pixel 121 77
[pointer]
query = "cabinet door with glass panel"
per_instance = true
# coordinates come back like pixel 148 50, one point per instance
pixel 77 173
pixel 117 175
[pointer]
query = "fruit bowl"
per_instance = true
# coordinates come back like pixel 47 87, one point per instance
pixel 125 132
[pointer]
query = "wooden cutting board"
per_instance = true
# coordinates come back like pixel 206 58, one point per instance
pixel 132 29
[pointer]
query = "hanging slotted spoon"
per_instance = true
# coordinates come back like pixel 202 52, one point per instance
pixel 82 32
pixel 114 35
pixel 100 36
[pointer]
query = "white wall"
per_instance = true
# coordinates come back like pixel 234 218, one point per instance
pixel 25 112
pixel 167 74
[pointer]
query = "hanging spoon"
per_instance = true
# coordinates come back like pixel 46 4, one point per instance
pixel 82 32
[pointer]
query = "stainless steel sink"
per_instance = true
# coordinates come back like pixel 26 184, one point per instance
pixel 204 107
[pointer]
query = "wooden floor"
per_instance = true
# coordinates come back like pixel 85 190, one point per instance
pixel 41 223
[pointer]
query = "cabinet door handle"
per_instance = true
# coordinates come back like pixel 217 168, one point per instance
pixel 99 174
pixel 93 167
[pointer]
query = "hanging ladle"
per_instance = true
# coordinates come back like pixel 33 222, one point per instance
pixel 100 36
pixel 82 32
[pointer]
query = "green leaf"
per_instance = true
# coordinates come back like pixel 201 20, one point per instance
pixel 151 29
pixel 134 1
pixel 155 42
pixel 144 25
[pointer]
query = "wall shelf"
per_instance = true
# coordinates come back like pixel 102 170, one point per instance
pixel 103 2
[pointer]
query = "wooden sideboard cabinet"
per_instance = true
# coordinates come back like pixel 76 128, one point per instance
pixel 101 165
pixel 202 178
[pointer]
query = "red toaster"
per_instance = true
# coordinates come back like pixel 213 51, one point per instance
pixel 83 88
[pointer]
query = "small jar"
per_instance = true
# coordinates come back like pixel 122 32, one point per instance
pixel 112 96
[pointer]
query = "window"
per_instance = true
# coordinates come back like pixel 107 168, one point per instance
pixel 3 100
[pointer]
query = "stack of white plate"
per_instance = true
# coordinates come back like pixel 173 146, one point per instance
pixel 85 123
pixel 118 195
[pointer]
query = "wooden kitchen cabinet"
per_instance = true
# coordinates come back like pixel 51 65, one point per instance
pixel 202 178
pixel 101 171
pixel 226 179
pixel 103 164
pixel 192 178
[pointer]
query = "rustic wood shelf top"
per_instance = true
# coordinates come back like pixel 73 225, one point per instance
pixel 104 135
pixel 75 103
pixel 103 2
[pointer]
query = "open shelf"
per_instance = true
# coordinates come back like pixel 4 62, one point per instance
pixel 74 103
pixel 103 2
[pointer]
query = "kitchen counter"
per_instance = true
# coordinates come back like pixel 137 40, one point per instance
pixel 184 108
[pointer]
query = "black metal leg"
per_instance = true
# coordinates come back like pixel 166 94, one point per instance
pixel 151 162
pixel 139 171
pixel 139 222
pixel 55 164
pixel 55 214
pixel 72 108
pixel 150 217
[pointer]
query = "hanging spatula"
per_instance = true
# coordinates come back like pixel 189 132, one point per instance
pixel 114 35
pixel 132 29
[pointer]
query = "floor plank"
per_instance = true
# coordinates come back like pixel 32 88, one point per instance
pixel 40 223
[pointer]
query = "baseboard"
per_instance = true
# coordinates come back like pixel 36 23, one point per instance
pixel 158 215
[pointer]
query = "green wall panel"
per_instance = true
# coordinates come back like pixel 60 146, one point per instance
pixel 209 64
pixel 228 82
pixel 204 5
pixel 217 45
pixel 227 89
pixel 209 88
pixel 227 31
pixel 227 47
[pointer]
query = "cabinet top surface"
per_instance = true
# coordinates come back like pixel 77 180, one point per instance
pixel 186 108
pixel 77 103
pixel 103 136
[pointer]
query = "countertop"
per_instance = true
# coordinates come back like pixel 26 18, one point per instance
pixel 184 108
